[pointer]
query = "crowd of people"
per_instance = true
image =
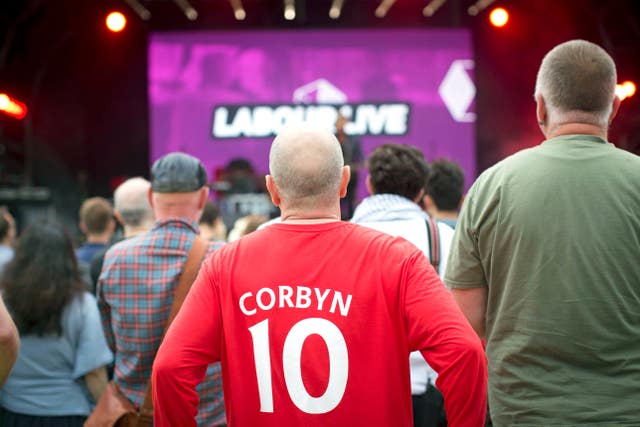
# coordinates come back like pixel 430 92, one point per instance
pixel 516 304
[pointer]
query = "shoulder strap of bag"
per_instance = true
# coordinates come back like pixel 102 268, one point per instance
pixel 189 273
pixel 434 243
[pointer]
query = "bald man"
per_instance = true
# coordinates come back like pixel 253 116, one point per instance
pixel 313 319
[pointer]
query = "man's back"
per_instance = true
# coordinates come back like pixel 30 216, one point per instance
pixel 556 231
pixel 314 327
pixel 135 293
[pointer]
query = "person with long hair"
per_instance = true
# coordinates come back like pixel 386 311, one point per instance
pixel 63 350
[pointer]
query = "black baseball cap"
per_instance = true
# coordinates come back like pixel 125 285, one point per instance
pixel 177 173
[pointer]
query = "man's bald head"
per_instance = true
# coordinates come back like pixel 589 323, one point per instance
pixel 131 202
pixel 577 81
pixel 306 165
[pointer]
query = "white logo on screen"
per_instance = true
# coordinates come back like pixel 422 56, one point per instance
pixel 319 102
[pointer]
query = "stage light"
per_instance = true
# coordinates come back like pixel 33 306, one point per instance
pixel 499 17
pixel 12 107
pixel 625 90
pixel 432 8
pixel 289 10
pixel 383 8
pixel 189 11
pixel 336 9
pixel 139 9
pixel 479 6
pixel 238 10
pixel 116 22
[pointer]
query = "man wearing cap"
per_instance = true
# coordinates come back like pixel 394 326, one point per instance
pixel 137 284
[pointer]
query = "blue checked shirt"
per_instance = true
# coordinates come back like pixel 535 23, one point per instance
pixel 135 293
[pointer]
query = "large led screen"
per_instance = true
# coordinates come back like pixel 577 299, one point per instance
pixel 223 95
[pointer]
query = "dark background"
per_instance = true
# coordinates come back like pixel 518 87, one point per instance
pixel 85 87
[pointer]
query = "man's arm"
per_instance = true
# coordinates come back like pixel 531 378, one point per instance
pixel 473 303
pixel 191 343
pixel 440 331
pixel 9 343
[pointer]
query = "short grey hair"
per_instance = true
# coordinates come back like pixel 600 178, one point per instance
pixel 306 164
pixel 131 201
pixel 577 78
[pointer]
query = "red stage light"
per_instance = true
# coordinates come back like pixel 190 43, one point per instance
pixel 499 17
pixel 116 22
pixel 12 107
pixel 625 90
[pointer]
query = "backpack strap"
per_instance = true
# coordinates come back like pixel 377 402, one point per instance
pixel 434 243
pixel 188 275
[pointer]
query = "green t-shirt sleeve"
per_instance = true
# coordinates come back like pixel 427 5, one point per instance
pixel 464 266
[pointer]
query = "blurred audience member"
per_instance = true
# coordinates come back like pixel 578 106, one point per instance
pixel 133 212
pixel 292 355
pixel 63 351
pixel 397 174
pixel 245 225
pixel 211 225
pixel 134 321
pixel 7 236
pixel 96 222
pixel 444 191
pixel 353 157
pixel 9 343
pixel 545 258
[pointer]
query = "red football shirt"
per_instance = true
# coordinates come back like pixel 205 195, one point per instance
pixel 314 324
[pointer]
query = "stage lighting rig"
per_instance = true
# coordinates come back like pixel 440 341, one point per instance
pixel 116 22
pixel 479 6
pixel 289 10
pixel 189 11
pixel 238 10
pixel 433 6
pixel 139 9
pixel 12 107
pixel 383 8
pixel 336 9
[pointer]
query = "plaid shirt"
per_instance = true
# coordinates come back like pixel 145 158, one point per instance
pixel 135 293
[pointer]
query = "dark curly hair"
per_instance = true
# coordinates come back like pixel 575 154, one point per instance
pixel 41 279
pixel 445 184
pixel 398 169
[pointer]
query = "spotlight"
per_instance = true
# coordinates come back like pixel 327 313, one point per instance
pixel 625 90
pixel 289 10
pixel 116 22
pixel 189 11
pixel 432 8
pixel 336 9
pixel 499 17
pixel 479 6
pixel 383 8
pixel 12 107
pixel 238 11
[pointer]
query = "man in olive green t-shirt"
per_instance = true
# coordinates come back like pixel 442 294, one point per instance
pixel 545 260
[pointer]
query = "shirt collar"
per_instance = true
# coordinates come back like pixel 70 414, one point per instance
pixel 181 222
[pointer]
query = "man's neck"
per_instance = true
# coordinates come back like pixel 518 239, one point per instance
pixel 135 231
pixel 295 216
pixel 99 238
pixel 561 129
pixel 445 215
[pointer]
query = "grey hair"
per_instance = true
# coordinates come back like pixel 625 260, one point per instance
pixel 131 202
pixel 306 164
pixel 577 80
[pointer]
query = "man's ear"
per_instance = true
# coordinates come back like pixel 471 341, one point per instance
pixel 344 182
pixel 204 195
pixel 273 190
pixel 82 227
pixel 541 110
pixel 419 196
pixel 118 217
pixel 150 197
pixel 369 186
pixel 614 108
pixel 429 204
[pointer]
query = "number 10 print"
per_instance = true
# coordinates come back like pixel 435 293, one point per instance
pixel 291 363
